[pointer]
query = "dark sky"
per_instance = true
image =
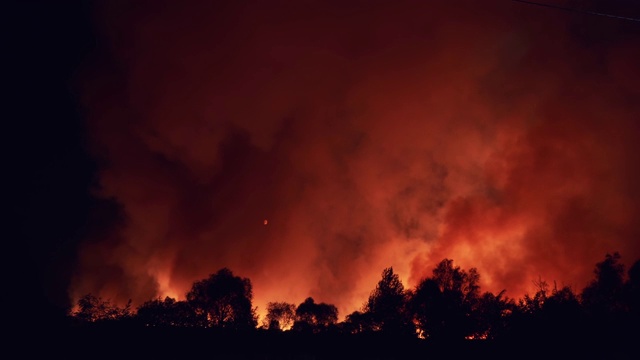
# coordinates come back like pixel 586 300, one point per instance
pixel 49 170
pixel 154 138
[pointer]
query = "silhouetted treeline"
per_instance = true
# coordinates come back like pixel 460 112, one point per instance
pixel 447 307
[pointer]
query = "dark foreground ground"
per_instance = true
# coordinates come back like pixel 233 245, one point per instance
pixel 150 343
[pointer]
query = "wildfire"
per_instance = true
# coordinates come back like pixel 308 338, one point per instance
pixel 165 287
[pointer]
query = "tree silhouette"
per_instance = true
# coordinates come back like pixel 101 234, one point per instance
pixel 358 322
pixel 632 289
pixel 562 314
pixel 454 279
pixel 224 300
pixel 443 304
pixel 604 303
pixel 168 312
pixel 632 301
pixel 93 309
pixel 280 315
pixel 532 305
pixel 313 317
pixel 527 319
pixel 603 296
pixel 447 308
pixel 387 305
pixel 493 315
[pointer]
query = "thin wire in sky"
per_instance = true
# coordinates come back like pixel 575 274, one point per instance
pixel 578 10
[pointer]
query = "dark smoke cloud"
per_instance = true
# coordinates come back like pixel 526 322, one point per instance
pixel 368 134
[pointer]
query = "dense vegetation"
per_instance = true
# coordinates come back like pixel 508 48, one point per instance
pixel 445 308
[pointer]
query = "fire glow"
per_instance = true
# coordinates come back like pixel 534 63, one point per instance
pixel 396 136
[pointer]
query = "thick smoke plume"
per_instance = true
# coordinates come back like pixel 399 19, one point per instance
pixel 307 145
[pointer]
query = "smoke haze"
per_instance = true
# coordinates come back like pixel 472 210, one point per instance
pixel 368 134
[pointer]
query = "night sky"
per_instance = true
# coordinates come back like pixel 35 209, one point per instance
pixel 308 144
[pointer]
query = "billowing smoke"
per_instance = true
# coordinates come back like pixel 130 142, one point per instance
pixel 307 145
